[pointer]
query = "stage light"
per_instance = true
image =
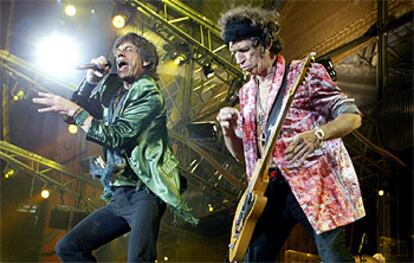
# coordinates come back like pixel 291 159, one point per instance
pixel 45 194
pixel 70 10
pixel 57 54
pixel 180 59
pixel 165 258
pixel 9 173
pixel 18 95
pixel 208 71
pixel 73 129
pixel 381 192
pixel 177 52
pixel 93 11
pixel 119 21
pixel 210 208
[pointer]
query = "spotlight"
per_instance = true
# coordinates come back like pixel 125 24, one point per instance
pixel 93 11
pixel 180 59
pixel 70 10
pixel 18 95
pixel 9 173
pixel 165 258
pixel 57 53
pixel 178 52
pixel 210 208
pixel 45 194
pixel 208 71
pixel 73 129
pixel 381 192
pixel 119 21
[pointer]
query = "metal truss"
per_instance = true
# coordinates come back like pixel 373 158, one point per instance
pixel 19 69
pixel 181 21
pixel 18 75
pixel 373 163
pixel 5 124
pixel 53 174
pixel 177 23
pixel 219 167
pixel 5 121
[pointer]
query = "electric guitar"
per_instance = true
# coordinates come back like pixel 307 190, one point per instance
pixel 253 201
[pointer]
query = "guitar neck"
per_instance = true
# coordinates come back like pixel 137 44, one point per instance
pixel 262 165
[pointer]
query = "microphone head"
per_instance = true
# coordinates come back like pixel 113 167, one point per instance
pixel 93 66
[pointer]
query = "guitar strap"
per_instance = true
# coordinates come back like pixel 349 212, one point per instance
pixel 277 104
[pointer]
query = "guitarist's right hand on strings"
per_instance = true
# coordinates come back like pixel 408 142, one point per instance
pixel 227 118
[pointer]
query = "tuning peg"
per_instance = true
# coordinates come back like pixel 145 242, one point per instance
pixel 313 56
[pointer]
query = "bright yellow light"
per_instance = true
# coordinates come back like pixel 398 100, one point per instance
pixel 9 173
pixel 70 10
pixel 380 192
pixel 165 258
pixel 20 93
pixel 210 208
pixel 179 59
pixel 57 53
pixel 72 128
pixel 45 194
pixel 119 21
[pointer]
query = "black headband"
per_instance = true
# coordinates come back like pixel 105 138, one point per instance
pixel 241 29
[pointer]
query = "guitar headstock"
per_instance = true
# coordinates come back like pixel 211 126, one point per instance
pixel 309 59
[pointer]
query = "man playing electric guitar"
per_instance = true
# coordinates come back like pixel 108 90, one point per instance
pixel 312 179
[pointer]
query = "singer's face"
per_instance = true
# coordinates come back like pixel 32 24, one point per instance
pixel 247 56
pixel 129 63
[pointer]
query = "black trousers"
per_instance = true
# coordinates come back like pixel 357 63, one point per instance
pixel 139 212
pixel 281 214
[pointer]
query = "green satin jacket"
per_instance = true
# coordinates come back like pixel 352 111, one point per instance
pixel 139 129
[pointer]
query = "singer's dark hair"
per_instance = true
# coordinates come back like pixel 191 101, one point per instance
pixel 146 49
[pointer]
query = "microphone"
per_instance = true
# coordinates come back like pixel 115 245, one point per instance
pixel 92 66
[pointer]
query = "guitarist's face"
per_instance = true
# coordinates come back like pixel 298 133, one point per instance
pixel 250 57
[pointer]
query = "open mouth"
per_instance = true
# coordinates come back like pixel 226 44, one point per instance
pixel 122 65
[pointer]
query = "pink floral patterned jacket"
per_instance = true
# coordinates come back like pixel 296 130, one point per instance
pixel 325 185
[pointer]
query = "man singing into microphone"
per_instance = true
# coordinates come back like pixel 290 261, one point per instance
pixel 125 113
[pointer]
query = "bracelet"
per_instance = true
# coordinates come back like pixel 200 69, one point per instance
pixel 320 135
pixel 81 117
